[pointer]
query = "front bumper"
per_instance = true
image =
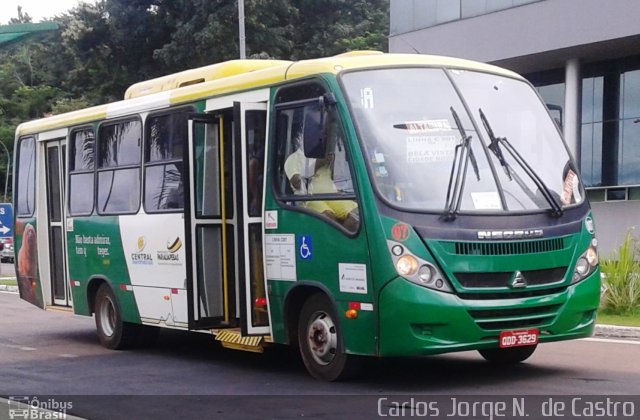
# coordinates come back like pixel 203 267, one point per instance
pixel 417 321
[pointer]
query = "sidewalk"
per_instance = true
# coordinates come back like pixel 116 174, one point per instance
pixel 602 330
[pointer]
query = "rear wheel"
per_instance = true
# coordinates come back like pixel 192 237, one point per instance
pixel 321 343
pixel 112 331
pixel 509 355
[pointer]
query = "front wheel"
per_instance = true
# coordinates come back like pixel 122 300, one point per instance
pixel 113 333
pixel 509 355
pixel 321 343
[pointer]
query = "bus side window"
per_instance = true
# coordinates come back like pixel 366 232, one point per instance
pixel 81 166
pixel 324 183
pixel 163 181
pixel 26 179
pixel 119 146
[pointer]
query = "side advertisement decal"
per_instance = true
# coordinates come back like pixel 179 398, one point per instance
pixel 27 263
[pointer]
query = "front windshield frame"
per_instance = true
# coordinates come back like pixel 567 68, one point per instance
pixel 481 138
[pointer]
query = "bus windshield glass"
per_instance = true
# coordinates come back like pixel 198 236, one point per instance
pixel 426 153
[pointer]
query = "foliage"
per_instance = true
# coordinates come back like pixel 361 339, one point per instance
pixel 622 278
pixel 629 320
pixel 104 46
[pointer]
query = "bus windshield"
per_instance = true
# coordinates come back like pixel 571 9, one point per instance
pixel 427 153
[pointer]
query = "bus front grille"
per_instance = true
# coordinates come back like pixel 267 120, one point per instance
pixel 501 279
pixel 511 294
pixel 507 248
pixel 513 318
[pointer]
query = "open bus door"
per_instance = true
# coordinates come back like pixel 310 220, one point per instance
pixel 209 233
pixel 55 173
pixel 250 126
pixel 224 219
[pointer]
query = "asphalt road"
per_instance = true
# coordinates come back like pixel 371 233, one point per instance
pixel 7 269
pixel 188 374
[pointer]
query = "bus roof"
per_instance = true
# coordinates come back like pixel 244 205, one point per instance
pixel 240 75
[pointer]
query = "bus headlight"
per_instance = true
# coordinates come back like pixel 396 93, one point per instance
pixel 586 263
pixel 425 274
pixel 582 266
pixel 407 265
pixel 417 270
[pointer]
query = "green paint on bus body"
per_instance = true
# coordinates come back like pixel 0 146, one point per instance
pixel 96 255
pixel 408 319
pixel 396 316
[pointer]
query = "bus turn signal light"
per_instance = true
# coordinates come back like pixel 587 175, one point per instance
pixel 351 314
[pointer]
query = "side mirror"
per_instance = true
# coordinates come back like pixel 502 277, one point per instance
pixel 314 144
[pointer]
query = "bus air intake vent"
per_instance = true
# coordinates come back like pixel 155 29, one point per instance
pixel 504 319
pixel 509 248
pixel 492 295
pixel 501 279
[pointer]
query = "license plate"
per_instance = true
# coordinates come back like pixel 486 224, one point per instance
pixel 519 338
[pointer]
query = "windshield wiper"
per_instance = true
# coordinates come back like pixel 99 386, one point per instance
pixel 463 154
pixel 556 209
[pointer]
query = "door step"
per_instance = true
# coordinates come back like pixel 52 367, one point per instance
pixel 59 308
pixel 233 339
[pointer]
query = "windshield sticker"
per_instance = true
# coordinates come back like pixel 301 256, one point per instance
pixel 570 188
pixel 366 98
pixel 424 126
pixel 486 201
pixel 421 149
pixel 378 158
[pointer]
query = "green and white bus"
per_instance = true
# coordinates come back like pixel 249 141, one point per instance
pixel 360 205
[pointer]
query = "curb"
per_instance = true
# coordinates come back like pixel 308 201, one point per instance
pixel 9 289
pixel 616 331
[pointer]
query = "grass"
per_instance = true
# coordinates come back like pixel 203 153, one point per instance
pixel 8 282
pixel 627 320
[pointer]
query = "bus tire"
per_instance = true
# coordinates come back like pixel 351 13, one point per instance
pixel 113 333
pixel 321 343
pixel 507 356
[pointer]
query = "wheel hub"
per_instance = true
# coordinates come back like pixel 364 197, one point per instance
pixel 322 338
pixel 107 317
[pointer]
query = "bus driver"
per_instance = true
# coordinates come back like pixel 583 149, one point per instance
pixel 314 176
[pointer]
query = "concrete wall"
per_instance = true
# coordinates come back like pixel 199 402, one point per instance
pixel 613 221
pixel 586 28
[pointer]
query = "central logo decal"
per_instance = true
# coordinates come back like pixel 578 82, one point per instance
pixel 141 257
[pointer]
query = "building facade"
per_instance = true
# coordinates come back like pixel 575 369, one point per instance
pixel 583 56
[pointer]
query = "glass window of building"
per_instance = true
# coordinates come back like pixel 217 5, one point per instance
pixel 629 131
pixel 592 122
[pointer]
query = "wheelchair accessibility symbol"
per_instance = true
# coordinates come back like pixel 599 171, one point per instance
pixel 305 249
